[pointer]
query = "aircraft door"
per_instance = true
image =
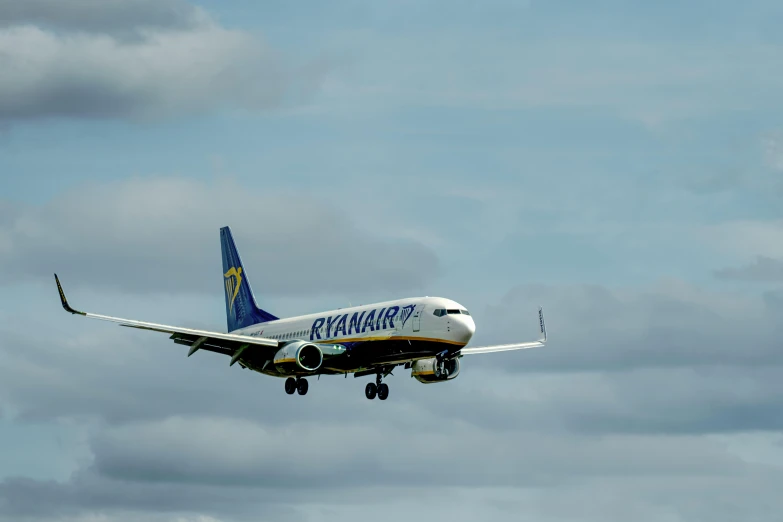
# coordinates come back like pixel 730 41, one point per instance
pixel 417 318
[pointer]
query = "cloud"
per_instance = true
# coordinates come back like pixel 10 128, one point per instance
pixel 603 406
pixel 762 178
pixel 601 373
pixel 161 235
pixel 139 60
pixel 740 238
pixel 774 300
pixel 183 464
pixel 773 152
pixel 763 269
pixel 102 16
pixel 235 471
pixel 595 328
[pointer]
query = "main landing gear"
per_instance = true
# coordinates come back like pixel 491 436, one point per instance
pixel 379 388
pixel 296 385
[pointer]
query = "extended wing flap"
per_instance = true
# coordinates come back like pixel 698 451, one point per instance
pixel 226 342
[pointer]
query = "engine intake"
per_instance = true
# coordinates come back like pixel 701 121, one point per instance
pixel 298 357
pixel 431 370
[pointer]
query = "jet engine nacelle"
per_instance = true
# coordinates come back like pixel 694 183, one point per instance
pixel 430 371
pixel 298 357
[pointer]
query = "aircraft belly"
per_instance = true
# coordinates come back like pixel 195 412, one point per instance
pixel 393 351
pixel 364 355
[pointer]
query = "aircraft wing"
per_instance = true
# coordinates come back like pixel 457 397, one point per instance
pixel 514 346
pixel 228 344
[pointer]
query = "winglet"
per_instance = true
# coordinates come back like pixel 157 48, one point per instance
pixel 63 300
pixel 541 324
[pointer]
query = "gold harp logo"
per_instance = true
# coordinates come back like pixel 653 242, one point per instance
pixel 233 282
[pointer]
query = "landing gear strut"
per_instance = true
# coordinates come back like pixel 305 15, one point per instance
pixel 379 388
pixel 296 385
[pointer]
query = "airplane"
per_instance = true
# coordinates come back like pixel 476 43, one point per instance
pixel 427 335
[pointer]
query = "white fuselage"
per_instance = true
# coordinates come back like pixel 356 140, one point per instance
pixel 429 319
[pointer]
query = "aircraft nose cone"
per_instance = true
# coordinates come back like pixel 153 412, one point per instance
pixel 466 328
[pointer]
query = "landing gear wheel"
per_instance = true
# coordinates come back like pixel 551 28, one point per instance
pixel 301 386
pixel 370 390
pixel 290 385
pixel 383 391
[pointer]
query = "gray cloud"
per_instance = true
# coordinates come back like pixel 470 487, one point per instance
pixel 188 466
pixel 764 178
pixel 161 235
pixel 136 60
pixel 773 151
pixel 774 301
pixel 581 383
pixel 763 269
pixel 103 16
pixel 184 463
pixel 531 431
pixel 594 328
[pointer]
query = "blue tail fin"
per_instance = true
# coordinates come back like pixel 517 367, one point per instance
pixel 241 308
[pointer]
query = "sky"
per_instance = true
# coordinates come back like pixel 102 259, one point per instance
pixel 618 163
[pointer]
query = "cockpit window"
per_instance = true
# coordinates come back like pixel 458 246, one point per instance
pixel 440 312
